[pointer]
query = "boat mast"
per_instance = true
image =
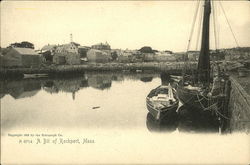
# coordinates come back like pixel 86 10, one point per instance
pixel 204 60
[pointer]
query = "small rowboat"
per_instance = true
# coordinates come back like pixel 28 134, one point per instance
pixel 162 101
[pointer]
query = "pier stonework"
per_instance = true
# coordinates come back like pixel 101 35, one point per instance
pixel 239 108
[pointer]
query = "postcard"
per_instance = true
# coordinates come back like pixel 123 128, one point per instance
pixel 125 82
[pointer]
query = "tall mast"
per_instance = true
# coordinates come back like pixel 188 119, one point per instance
pixel 204 60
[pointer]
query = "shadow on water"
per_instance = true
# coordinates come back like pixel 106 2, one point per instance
pixel 22 88
pixel 185 120
pixel 168 123
pixel 191 120
pixel 146 79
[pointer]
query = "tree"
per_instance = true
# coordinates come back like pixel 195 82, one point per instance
pixel 24 44
pixel 114 55
pixel 146 49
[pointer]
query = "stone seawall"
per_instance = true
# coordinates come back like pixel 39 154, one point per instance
pixel 239 108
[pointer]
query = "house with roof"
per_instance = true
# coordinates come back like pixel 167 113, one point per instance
pixel 49 48
pixel 71 47
pixel 82 50
pixel 164 56
pixel 67 54
pixel 101 46
pixel 48 52
pixel 98 56
pixel 99 53
pixel 21 57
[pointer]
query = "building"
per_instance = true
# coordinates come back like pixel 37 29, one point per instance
pixel 193 55
pixel 148 57
pixel 67 54
pixel 82 50
pixel 242 53
pixel 98 56
pixel 99 53
pixel 217 55
pixel 101 46
pixel 21 57
pixel 126 56
pixel 66 59
pixel 72 47
pixel 49 48
pixel 48 52
pixel 165 56
pixel 180 56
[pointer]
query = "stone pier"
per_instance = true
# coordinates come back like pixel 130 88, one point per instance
pixel 239 108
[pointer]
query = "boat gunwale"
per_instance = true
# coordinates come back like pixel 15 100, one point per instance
pixel 164 108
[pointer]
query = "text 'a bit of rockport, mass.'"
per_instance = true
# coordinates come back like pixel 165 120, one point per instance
pixel 49 139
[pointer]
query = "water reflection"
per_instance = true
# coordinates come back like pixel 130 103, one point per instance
pixel 197 121
pixel 99 81
pixel 29 87
pixel 92 87
pixel 146 79
pixel 20 89
pixel 185 120
pixel 168 123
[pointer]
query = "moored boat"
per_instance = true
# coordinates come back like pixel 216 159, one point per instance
pixel 200 90
pixel 161 101
pixel 35 75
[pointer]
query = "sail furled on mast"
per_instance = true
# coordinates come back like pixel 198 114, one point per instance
pixel 204 60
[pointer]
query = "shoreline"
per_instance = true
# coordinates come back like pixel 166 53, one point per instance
pixel 173 67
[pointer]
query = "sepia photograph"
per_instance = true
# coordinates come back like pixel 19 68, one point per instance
pixel 125 82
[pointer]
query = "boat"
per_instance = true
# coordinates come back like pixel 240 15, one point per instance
pixel 35 75
pixel 200 90
pixel 162 101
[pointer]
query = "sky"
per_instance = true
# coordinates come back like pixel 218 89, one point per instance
pixel 163 25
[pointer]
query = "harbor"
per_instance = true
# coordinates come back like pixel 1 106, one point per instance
pixel 234 119
pixel 125 82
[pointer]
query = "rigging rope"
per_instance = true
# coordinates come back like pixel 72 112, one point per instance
pixel 194 20
pixel 228 23
pixel 214 21
pixel 199 29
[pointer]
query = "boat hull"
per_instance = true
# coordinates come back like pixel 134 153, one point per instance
pixel 161 113
pixel 193 99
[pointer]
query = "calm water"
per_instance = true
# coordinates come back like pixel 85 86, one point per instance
pixel 106 101
pixel 110 109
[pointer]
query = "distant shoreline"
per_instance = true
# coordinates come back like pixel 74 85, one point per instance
pixel 172 67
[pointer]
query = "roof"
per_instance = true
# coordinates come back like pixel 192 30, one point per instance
pixel 104 44
pixel 48 47
pixel 74 43
pixel 28 51
pixel 84 47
